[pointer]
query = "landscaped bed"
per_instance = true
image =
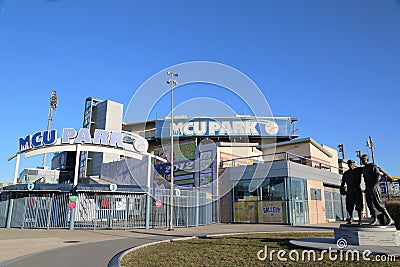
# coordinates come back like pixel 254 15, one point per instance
pixel 242 250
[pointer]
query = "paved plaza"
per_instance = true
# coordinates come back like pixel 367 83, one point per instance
pixel 59 247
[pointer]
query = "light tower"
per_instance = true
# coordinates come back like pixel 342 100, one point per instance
pixel 53 106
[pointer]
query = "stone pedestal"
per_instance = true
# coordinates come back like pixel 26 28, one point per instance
pixel 366 235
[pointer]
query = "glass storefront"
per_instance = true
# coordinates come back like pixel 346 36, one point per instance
pixel 298 204
pixel 275 200
pixel 335 205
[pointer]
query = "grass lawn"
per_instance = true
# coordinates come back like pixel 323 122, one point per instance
pixel 238 250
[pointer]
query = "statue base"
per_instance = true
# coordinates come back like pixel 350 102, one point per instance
pixel 366 235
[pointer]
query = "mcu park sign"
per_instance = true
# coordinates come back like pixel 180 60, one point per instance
pixel 237 126
pixel 71 136
pixel 103 141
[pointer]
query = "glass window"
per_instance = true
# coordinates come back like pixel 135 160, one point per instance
pixel 273 189
pixel 241 191
pixel 328 205
pixel 298 189
pixel 270 189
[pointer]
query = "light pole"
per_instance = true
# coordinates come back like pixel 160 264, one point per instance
pixel 172 82
pixel 53 105
pixel 341 150
pixel 358 152
pixel 370 145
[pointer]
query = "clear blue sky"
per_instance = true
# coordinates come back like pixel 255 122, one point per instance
pixel 333 64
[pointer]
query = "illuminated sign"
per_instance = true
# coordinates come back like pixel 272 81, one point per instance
pixel 71 136
pixel 225 127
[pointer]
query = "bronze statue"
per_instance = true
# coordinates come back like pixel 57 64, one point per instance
pixel 372 176
pixel 352 179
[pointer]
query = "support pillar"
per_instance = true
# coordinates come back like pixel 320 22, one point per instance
pixel 9 211
pixel 197 207
pixel 16 168
pixel 76 176
pixel 148 198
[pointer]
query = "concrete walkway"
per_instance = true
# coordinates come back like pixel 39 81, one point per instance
pixel 59 247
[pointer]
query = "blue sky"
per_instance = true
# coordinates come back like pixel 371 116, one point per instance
pixel 333 64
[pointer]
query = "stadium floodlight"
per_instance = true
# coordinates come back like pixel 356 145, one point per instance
pixel 53 106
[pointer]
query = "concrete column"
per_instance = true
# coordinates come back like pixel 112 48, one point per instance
pixel 197 207
pixel 148 198
pixel 17 160
pixel 76 176
pixel 77 163
pixel 9 211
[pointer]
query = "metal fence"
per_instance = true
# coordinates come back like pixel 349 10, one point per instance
pixel 191 208
pixel 3 209
pixel 38 210
pixel 105 210
pixel 110 211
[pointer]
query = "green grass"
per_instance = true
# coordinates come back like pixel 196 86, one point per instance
pixel 238 250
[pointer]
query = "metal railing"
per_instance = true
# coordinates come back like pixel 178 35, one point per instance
pixel 280 156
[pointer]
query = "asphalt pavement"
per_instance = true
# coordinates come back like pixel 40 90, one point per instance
pixel 65 248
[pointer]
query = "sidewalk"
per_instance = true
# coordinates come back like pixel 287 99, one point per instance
pixel 19 243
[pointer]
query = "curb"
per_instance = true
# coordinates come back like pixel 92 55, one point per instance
pixel 116 260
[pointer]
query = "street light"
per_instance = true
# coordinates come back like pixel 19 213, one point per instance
pixel 370 145
pixel 341 150
pixel 358 152
pixel 172 83
pixel 53 106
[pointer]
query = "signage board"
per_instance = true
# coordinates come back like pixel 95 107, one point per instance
pixel 72 205
pixel 184 172
pixel 177 192
pixel 100 137
pixel 226 127
pixel 184 163
pixel 272 212
pixel 30 186
pixel 113 187
pixel 182 151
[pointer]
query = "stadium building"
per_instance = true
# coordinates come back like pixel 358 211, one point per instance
pixel 255 168
pixel 238 169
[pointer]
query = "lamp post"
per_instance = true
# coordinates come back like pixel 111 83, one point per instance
pixel 172 82
pixel 370 145
pixel 341 150
pixel 53 105
pixel 358 153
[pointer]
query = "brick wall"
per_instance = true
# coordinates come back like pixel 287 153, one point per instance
pixel 316 208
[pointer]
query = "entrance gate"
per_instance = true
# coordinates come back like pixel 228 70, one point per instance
pixel 99 208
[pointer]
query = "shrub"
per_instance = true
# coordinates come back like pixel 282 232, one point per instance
pixel 393 207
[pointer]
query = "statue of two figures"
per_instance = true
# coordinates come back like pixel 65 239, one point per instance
pixel 352 180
